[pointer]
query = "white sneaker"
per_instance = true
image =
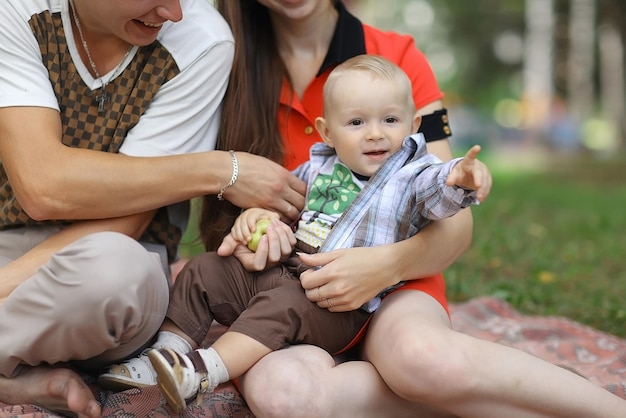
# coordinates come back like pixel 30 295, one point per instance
pixel 134 373
pixel 180 377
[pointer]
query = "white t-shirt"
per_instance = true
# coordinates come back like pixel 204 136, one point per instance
pixel 183 115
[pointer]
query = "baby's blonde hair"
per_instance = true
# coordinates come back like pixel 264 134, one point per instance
pixel 378 67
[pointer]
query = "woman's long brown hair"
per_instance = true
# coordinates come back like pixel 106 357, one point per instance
pixel 249 120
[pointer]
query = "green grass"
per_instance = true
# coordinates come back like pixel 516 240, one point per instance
pixel 191 242
pixel 551 242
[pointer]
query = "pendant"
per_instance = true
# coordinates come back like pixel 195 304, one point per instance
pixel 102 99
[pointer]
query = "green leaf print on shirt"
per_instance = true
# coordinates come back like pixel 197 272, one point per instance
pixel 331 194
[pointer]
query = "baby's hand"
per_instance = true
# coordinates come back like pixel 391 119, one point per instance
pixel 472 174
pixel 246 224
pixel 273 246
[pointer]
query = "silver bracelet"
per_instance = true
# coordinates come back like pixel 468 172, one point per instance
pixel 233 178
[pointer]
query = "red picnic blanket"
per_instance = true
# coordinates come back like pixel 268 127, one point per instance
pixel 598 356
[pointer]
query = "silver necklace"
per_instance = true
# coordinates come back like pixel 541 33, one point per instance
pixel 103 97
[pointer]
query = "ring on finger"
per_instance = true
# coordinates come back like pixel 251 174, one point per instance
pixel 319 294
pixel 330 305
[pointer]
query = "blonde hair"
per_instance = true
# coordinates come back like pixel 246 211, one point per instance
pixel 378 67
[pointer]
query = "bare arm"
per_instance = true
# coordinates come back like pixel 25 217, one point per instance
pixel 53 181
pixel 440 243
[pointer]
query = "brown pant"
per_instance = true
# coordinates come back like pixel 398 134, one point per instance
pixel 268 306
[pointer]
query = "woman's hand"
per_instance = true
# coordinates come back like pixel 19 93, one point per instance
pixel 348 278
pixel 275 245
pixel 263 183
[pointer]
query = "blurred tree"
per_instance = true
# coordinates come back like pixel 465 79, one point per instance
pixel 538 91
pixel 612 33
pixel 581 62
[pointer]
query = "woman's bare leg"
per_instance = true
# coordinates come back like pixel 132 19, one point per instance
pixel 303 381
pixel 413 348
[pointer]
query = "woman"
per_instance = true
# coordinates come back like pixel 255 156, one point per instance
pixel 416 365
pixel 108 119
pixel 263 48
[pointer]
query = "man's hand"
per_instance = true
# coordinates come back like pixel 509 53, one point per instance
pixel 263 183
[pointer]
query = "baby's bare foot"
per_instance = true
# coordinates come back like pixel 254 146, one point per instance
pixel 56 389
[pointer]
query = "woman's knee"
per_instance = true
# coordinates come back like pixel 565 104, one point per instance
pixel 288 383
pixel 429 367
pixel 419 356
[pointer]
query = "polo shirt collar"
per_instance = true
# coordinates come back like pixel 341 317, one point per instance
pixel 348 40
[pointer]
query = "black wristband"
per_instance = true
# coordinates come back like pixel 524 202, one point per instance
pixel 435 126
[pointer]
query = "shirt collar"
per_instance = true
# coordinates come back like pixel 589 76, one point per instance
pixel 348 40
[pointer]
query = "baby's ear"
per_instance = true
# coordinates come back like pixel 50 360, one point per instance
pixel 322 128
pixel 417 121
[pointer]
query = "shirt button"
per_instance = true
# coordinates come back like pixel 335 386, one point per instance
pixel 308 130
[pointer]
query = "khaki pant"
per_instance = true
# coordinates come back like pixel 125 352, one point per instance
pixel 95 302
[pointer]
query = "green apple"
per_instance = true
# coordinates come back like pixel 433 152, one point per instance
pixel 261 227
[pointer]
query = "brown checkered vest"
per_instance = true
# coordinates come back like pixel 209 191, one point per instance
pixel 84 127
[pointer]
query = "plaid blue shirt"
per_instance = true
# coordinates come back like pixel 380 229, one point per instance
pixel 404 195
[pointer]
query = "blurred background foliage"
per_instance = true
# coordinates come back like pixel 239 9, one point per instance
pixel 530 73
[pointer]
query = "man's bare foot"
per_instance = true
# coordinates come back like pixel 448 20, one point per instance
pixel 56 389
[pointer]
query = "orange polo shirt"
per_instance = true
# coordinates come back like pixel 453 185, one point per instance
pixel 297 115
